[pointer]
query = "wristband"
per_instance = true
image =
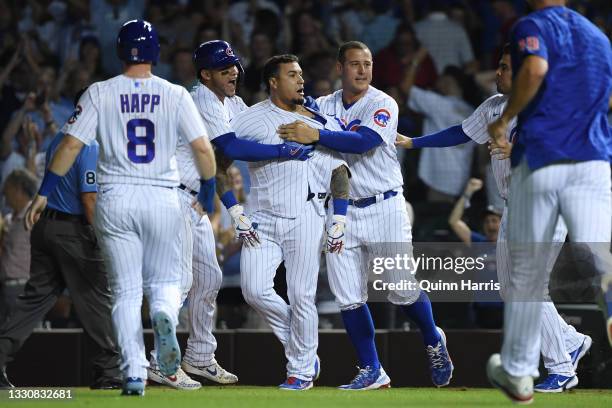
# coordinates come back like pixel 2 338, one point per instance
pixel 340 206
pixel 49 183
pixel 229 199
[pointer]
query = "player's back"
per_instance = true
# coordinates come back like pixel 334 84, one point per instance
pixel 377 170
pixel 572 103
pixel 138 126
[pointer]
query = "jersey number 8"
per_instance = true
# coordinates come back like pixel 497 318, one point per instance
pixel 141 148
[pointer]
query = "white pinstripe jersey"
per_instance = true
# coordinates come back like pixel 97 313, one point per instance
pixel 377 170
pixel 281 187
pixel 137 122
pixel 216 116
pixel 475 127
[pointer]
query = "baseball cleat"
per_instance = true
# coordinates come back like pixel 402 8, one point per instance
pixel 295 384
pixel 133 386
pixel 581 351
pixel 440 363
pixel 317 369
pixel 368 379
pixel 179 380
pixel 213 372
pixel 168 350
pixel 518 389
pixel 556 383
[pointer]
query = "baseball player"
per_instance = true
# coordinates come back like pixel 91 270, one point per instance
pixel 377 213
pixel 562 347
pixel 287 201
pixel 218 71
pixel 136 118
pixel 562 80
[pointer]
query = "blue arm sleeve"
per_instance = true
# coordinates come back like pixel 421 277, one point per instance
pixel 361 141
pixel 452 136
pixel 240 149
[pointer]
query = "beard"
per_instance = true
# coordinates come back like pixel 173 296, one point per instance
pixel 298 100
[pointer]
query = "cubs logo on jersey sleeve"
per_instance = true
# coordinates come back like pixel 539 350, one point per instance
pixel 382 117
pixel 75 114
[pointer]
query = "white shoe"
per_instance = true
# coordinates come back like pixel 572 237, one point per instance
pixel 518 389
pixel 213 372
pixel 180 380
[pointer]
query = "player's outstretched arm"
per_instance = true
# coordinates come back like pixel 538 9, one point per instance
pixel 451 136
pixel 340 193
pixel 358 142
pixel 63 159
pixel 247 150
pixel 459 227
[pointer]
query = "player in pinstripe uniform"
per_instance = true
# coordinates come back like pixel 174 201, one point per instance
pixel 286 200
pixel 218 69
pixel 377 218
pixel 562 347
pixel 138 215
pixel 562 68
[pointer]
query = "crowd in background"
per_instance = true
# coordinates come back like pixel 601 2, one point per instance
pixel 435 57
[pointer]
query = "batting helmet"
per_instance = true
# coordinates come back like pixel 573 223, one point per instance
pixel 215 54
pixel 138 42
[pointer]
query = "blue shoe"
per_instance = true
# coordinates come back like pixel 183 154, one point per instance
pixel 440 363
pixel 317 369
pixel 556 383
pixel 295 384
pixel 368 379
pixel 133 386
pixel 168 350
pixel 581 351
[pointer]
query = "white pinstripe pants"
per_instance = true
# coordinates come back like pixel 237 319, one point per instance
pixel 581 194
pixel 201 296
pixel 298 242
pixel 382 230
pixel 558 337
pixel 138 228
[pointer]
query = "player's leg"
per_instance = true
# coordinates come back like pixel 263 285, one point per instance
pixel 302 244
pixel 123 253
pixel 586 205
pixel 199 360
pixel 532 217
pixel 180 380
pixel 163 241
pixel 348 275
pixel 257 270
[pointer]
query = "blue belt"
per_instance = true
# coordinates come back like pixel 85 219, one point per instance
pixel 366 202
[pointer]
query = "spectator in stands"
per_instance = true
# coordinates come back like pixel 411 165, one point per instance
pixel 445 171
pixel 380 27
pixel 183 72
pixel 19 188
pixel 393 61
pixel 490 222
pixel 90 57
pixel 446 41
pixel 261 49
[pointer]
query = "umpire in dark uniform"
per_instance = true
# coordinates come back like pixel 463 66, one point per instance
pixel 65 254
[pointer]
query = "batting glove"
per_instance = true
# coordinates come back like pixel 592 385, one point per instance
pixel 295 151
pixel 206 194
pixel 335 234
pixel 244 228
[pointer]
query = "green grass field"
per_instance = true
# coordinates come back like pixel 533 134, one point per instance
pixel 319 397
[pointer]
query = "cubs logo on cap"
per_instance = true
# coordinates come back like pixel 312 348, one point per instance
pixel 381 117
pixel 134 52
pixel 229 52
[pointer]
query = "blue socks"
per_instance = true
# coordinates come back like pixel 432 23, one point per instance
pixel 420 312
pixel 360 328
